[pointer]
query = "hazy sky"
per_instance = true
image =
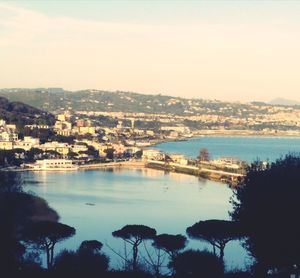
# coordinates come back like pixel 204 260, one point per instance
pixel 228 50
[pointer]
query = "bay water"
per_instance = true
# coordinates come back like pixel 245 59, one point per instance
pixel 99 202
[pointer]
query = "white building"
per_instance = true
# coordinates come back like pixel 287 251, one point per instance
pixel 53 164
pixel 8 136
pixel 153 154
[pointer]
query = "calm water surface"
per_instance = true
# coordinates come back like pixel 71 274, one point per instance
pixel 245 148
pixel 167 202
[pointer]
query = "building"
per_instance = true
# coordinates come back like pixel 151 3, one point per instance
pixel 38 126
pixel 153 154
pixel 11 127
pixel 76 148
pixel 52 164
pixel 28 143
pixel 61 148
pixel 179 129
pixel 63 128
pixel 6 145
pixel 179 158
pixel 86 130
pixel 8 136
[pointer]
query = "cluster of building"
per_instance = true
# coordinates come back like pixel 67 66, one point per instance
pixel 9 139
pixel 92 142
pixel 8 135
pixel 266 119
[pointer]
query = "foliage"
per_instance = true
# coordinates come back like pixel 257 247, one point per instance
pixel 217 232
pixel 203 155
pixel 171 244
pixel 87 259
pixel 46 234
pixel 17 209
pixel 23 114
pixel 109 153
pixel 266 204
pixel 195 264
pixel 135 235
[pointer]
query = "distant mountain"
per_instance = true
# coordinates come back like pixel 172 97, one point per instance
pixel 284 101
pixel 21 114
pixel 56 100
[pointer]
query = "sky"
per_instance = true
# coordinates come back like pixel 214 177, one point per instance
pixel 226 50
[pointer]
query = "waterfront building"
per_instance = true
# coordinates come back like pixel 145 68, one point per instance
pixel 52 164
pixel 153 154
pixel 179 158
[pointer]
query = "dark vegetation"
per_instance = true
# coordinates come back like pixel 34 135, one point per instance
pixel 21 114
pixel 264 216
pixel 266 204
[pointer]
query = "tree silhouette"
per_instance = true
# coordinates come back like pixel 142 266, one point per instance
pixel 266 202
pixel 217 232
pixel 196 264
pixel 203 155
pixel 87 260
pixel 135 235
pixel 46 234
pixel 17 209
pixel 109 153
pixel 90 246
pixel 171 244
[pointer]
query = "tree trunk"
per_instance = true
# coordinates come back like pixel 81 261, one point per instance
pixel 51 255
pixel 48 256
pixel 222 247
pixel 135 255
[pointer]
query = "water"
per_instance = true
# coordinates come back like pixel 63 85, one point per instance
pixel 245 148
pixel 167 202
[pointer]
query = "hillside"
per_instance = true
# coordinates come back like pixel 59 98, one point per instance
pixel 96 100
pixel 21 114
pixel 284 101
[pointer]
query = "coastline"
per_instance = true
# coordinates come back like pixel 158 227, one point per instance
pixel 245 133
pixel 228 133
pixel 214 175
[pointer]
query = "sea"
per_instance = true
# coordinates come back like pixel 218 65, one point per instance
pixel 98 202
pixel 245 148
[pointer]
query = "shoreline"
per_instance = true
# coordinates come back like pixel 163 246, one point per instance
pixel 214 175
pixel 229 133
pixel 245 133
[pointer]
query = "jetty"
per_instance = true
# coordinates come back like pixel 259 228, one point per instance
pixel 124 164
pixel 217 175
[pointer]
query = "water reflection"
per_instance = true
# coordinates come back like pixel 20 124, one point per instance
pixel 169 203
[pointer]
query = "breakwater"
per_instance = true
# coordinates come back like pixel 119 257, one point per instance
pixel 216 175
pixel 125 164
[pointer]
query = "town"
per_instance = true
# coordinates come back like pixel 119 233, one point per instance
pixel 155 113
pixel 75 142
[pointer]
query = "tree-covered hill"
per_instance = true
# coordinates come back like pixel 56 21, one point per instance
pixel 21 114
pixel 119 101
